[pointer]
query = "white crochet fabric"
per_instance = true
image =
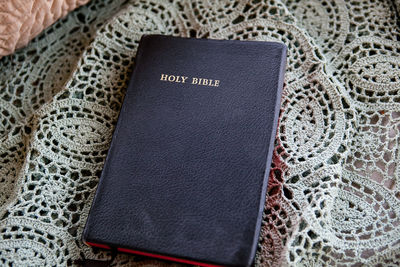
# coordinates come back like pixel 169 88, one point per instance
pixel 334 191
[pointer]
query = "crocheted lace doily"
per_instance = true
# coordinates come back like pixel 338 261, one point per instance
pixel 334 191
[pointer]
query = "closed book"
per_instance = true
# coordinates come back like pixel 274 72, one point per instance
pixel 186 173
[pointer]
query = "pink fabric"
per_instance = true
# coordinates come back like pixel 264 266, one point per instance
pixel 22 20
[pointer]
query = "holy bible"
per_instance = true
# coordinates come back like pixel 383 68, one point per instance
pixel 186 173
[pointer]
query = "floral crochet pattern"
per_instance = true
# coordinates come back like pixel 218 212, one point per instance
pixel 334 193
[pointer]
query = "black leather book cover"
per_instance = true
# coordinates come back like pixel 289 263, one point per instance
pixel 186 174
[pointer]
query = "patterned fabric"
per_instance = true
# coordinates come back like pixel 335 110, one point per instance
pixel 22 20
pixel 334 191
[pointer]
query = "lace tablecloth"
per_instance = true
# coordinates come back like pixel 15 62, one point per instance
pixel 334 192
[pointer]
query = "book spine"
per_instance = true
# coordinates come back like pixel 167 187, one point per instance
pixel 279 88
pixel 85 234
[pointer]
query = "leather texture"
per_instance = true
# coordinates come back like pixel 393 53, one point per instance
pixel 187 169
